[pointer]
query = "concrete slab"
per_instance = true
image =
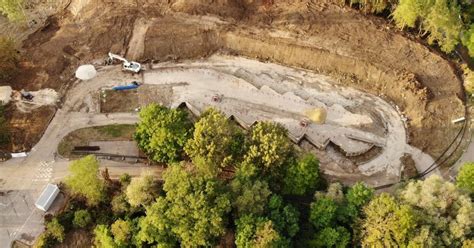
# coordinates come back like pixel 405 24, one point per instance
pixel 125 148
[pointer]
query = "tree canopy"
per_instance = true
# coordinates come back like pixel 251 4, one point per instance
pixel 12 9
pixel 82 218
pixel 83 180
pixel 249 197
pixel 255 231
pixel 268 150
pixel 212 143
pixel 163 132
pixel 302 176
pixel 142 190
pixel 428 213
pixel 194 209
pixel 440 19
pixel 387 223
pixel 446 214
pixel 465 178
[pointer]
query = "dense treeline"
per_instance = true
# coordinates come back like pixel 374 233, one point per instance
pixel 446 23
pixel 274 197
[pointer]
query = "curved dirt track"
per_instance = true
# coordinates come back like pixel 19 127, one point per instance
pixel 251 91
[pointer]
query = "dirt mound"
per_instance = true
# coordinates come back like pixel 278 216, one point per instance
pixel 226 8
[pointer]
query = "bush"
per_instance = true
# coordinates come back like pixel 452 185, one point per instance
pixel 82 218
pixel 44 241
pixel 55 230
pixel 125 180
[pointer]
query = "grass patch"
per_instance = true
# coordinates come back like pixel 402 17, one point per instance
pixel 82 137
pixel 116 131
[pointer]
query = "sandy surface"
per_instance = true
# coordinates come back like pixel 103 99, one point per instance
pixel 253 91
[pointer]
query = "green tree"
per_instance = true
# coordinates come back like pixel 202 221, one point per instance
pixel 444 25
pixel 269 149
pixel 302 177
pixel 252 231
pixel 249 197
pixel 446 213
pixel 103 238
pixel 387 223
pixel 142 190
pixel 162 132
pixel 82 218
pixel 323 212
pixel 12 9
pixel 55 230
pixel 8 58
pixel 194 209
pixel 122 231
pixel 285 218
pixel 155 227
pixel 359 194
pixel 120 204
pixel 212 142
pixel 468 40
pixel 407 12
pixel 84 180
pixel 338 237
pixel 465 178
pixel 439 18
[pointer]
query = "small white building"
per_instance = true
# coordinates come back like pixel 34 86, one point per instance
pixel 47 197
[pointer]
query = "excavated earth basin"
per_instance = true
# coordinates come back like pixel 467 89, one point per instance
pixel 355 50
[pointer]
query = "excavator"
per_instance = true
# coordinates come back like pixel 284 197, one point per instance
pixel 132 66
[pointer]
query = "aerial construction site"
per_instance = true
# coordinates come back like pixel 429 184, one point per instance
pixel 372 102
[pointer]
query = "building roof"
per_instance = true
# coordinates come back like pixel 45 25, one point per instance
pixel 47 196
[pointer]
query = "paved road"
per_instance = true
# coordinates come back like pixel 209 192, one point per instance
pixel 22 180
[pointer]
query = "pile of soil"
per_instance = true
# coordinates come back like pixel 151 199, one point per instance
pixel 364 52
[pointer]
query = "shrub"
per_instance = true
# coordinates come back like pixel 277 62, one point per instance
pixel 82 218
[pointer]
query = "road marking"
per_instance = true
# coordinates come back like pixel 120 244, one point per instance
pixel 44 171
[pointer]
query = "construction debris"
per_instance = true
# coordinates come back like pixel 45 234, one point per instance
pixel 317 115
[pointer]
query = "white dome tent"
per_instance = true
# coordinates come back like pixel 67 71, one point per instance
pixel 86 72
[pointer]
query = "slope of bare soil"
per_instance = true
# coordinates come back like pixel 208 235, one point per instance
pixel 361 51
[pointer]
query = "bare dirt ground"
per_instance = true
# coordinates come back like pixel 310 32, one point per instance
pixel 112 101
pixel 361 51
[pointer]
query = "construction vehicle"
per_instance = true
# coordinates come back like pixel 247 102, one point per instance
pixel 27 96
pixel 127 65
